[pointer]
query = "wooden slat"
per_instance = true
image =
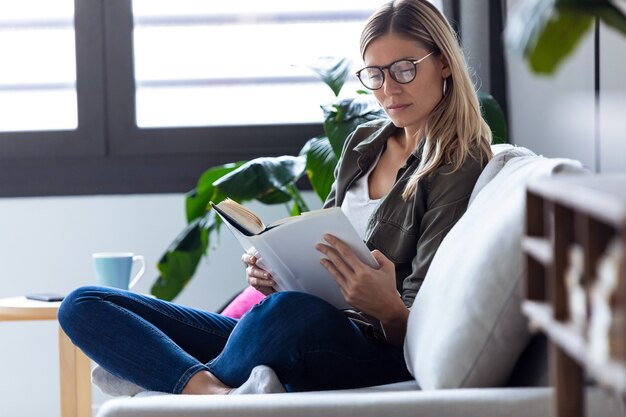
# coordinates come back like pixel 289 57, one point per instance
pixel 586 211
pixel 567 377
pixel 563 235
pixel 539 248
pixel 600 196
pixel 75 379
pixel 611 373
pixel 535 287
pixel 68 380
pixel 534 215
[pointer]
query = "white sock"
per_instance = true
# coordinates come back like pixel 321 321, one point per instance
pixel 112 385
pixel 262 380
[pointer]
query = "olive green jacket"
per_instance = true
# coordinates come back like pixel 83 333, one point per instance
pixel 406 232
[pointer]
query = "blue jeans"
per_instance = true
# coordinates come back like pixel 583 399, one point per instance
pixel 160 345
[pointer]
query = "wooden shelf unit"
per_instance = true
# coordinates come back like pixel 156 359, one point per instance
pixel 561 212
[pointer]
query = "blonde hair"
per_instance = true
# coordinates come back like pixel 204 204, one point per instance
pixel 455 128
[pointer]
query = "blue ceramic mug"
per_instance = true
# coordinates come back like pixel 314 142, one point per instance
pixel 113 269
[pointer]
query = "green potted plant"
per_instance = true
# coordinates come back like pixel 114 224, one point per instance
pixel 546 32
pixel 272 180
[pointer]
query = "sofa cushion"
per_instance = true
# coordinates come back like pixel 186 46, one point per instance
pixel 466 328
pixel 502 153
pixel 486 402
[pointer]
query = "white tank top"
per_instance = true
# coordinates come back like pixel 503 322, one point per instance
pixel 357 205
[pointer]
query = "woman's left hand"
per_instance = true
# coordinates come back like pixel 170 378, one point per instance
pixel 370 290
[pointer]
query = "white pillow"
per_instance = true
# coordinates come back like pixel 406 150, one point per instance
pixel 466 328
pixel 502 153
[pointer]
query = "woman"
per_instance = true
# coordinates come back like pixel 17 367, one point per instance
pixel 403 182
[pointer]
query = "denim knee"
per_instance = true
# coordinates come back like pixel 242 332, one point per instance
pixel 289 304
pixel 74 303
pixel 282 332
pixel 292 314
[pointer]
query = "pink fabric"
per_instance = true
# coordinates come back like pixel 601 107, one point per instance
pixel 242 303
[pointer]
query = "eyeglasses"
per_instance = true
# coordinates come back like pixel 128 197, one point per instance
pixel 402 71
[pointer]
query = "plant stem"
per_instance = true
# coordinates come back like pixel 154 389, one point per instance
pixel 297 197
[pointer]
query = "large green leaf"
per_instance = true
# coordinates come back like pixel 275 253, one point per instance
pixel 494 116
pixel 558 39
pixel 197 199
pixel 320 165
pixel 546 32
pixel 344 115
pixel 263 179
pixel 525 24
pixel 182 257
pixel 333 71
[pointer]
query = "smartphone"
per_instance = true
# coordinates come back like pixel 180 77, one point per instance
pixel 46 296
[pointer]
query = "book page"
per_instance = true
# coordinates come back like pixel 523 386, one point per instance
pixel 294 243
pixel 295 218
pixel 269 261
pixel 239 214
pixel 288 252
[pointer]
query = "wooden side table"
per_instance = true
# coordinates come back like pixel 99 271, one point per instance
pixel 74 366
pixel 582 216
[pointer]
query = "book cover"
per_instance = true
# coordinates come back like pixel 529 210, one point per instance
pixel 286 249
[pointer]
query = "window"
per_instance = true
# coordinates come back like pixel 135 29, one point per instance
pixel 50 87
pixel 178 87
pixel 135 96
pixel 198 63
pixel 38 72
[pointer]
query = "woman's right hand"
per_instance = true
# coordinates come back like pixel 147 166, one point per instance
pixel 257 277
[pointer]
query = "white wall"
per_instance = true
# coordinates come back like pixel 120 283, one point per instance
pixel 612 101
pixel 535 102
pixel 46 245
pixel 555 115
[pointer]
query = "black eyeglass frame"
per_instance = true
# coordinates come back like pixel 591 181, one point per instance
pixel 415 62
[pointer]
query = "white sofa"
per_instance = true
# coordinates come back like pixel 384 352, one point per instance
pixel 467 342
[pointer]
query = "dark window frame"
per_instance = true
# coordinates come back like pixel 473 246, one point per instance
pixel 108 153
pixel 88 138
pixel 127 139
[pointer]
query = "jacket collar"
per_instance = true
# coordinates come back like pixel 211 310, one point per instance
pixel 370 148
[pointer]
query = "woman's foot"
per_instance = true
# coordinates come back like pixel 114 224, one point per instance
pixel 205 383
pixel 262 380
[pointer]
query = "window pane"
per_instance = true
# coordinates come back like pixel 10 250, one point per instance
pixel 202 63
pixel 36 10
pixel 38 71
pixel 195 106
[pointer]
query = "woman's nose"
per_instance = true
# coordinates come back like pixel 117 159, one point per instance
pixel 391 86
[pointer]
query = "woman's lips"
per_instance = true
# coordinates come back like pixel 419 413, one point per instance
pixel 395 108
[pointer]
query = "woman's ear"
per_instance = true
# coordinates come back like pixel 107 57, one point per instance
pixel 445 68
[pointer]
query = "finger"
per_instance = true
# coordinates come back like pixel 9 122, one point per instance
pixel 260 282
pixel 260 273
pixel 248 259
pixel 382 260
pixel 334 272
pixel 335 257
pixel 257 273
pixel 346 253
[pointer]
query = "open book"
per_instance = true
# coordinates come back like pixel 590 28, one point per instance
pixel 286 248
